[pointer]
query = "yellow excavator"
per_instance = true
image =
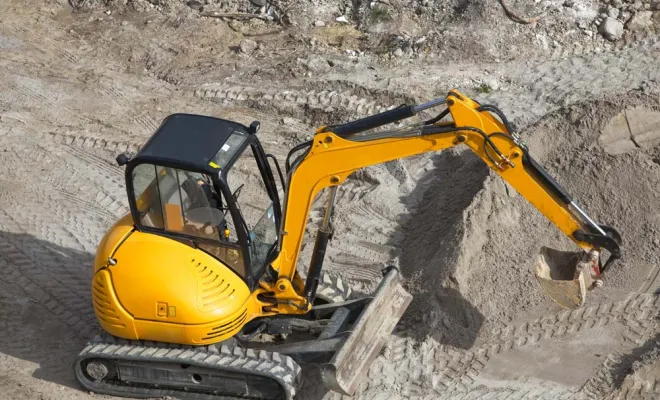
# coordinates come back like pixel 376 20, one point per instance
pixel 198 300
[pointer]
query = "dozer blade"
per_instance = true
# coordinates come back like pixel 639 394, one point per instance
pixel 368 335
pixel 564 276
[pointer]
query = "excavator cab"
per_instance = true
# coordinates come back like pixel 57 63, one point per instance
pixel 179 186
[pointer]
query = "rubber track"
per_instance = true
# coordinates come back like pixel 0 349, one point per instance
pixel 274 365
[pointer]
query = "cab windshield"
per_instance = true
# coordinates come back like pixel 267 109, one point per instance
pixel 182 203
pixel 186 204
pixel 263 237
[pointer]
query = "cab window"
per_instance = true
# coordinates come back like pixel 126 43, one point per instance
pixel 246 182
pixel 184 202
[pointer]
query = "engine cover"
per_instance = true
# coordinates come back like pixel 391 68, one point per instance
pixel 163 290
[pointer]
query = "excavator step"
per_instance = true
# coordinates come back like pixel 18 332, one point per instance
pixel 133 369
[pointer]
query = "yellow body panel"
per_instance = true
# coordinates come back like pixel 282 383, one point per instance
pixel 163 290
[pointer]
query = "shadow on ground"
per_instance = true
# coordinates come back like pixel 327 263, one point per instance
pixel 429 239
pixel 40 307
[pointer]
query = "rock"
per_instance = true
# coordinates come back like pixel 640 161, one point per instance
pixel 611 29
pixel 637 5
pixel 582 24
pixel 491 82
pixel 656 242
pixel 247 46
pixel 644 126
pixel 124 23
pixel 195 5
pixel 398 53
pixel 342 19
pixel 655 5
pixel 569 3
pixel 315 63
pixel 319 24
pixel 617 3
pixel 615 137
pixel 288 121
pixel 640 21
pixel 625 16
pixel 259 3
pixel 613 13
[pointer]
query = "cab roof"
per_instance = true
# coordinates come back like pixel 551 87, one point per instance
pixel 194 140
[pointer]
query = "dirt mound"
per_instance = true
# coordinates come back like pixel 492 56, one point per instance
pixel 472 239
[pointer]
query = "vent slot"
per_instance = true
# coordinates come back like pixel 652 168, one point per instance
pixel 102 303
pixel 225 328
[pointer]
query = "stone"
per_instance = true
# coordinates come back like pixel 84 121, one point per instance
pixel 625 16
pixel 342 19
pixel 259 3
pixel 288 121
pixel 655 5
pixel 491 82
pixel 640 21
pixel 611 29
pixel 316 63
pixel 398 53
pixel 637 5
pixel 195 5
pixel 644 126
pixel 319 24
pixel 247 46
pixel 615 137
pixel 569 3
pixel 613 13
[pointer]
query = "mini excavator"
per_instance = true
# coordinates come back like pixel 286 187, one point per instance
pixel 196 302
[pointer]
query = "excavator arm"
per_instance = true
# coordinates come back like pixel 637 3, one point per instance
pixel 337 151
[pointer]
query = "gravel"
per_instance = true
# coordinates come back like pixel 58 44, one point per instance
pixel 611 29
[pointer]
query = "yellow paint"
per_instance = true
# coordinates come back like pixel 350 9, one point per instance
pixel 112 239
pixel 165 290
pixel 214 165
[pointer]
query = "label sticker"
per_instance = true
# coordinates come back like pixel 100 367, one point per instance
pixel 225 147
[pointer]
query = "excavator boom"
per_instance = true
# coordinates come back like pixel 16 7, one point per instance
pixel 337 151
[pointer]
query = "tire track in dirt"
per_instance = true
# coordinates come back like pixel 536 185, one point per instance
pixel 412 367
pixel 291 97
pixel 636 40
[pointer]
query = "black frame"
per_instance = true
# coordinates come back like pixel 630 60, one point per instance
pixel 219 179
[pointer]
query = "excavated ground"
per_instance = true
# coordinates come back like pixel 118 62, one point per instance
pixel 76 88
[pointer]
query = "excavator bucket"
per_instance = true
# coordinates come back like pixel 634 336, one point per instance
pixel 368 335
pixel 564 276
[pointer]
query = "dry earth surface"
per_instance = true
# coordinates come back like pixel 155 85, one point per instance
pixel 82 81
